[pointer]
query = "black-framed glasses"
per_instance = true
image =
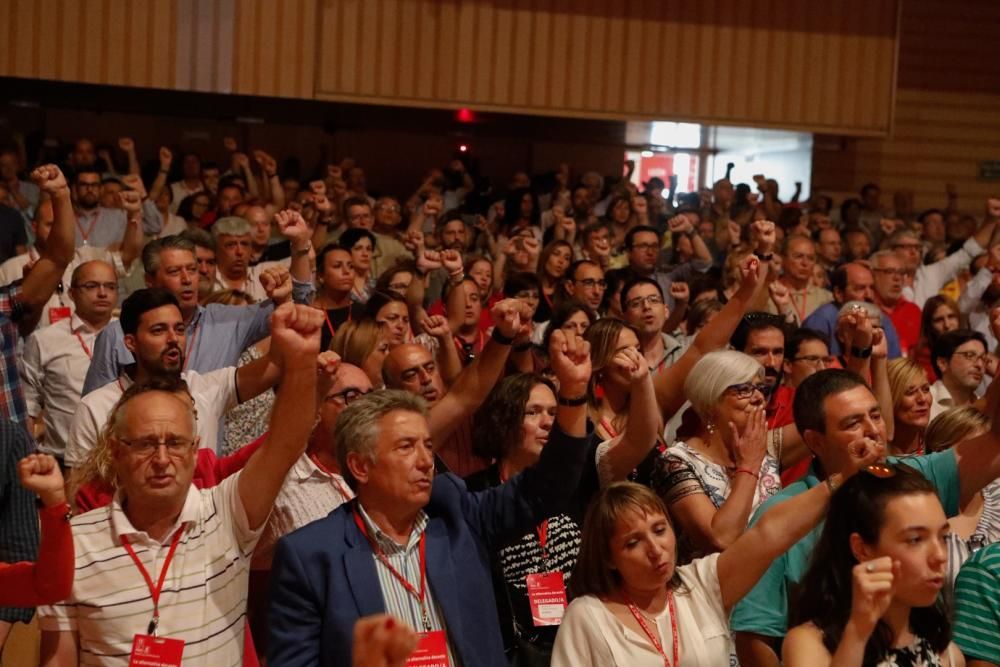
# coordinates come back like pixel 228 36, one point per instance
pixel 93 286
pixel 145 447
pixel 814 359
pixel 591 283
pixel 745 390
pixel 640 301
pixel 349 395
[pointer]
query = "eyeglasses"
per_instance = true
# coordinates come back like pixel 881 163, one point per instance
pixel 91 287
pixel 814 359
pixel 892 272
pixel 591 283
pixel 645 246
pixel 969 355
pixel 907 246
pixel 745 390
pixel 147 446
pixel 640 301
pixel 348 395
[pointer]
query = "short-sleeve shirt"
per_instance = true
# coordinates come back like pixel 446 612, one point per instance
pixel 203 600
pixel 764 610
pixel 977 611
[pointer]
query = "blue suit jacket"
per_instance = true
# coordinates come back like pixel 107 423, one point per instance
pixel 324 579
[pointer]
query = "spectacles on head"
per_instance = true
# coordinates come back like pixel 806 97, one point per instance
pixel 93 286
pixel 348 396
pixel 640 301
pixel 745 390
pixel 147 446
pixel 814 359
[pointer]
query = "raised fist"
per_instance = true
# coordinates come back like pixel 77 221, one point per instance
pixel 131 201
pixel 50 180
pixel 511 316
pixel 135 184
pixel 166 158
pixel 295 334
pixel 293 226
pixel 436 326
pixel 569 355
pixel 679 224
pixel 39 473
pixel 126 144
pixel 277 284
pixel 680 292
pixel 266 162
pixel 229 143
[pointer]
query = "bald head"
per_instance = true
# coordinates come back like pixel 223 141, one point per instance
pixel 411 367
pixel 349 383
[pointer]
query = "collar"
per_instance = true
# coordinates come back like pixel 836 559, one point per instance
pixel 120 524
pixel 196 318
pixel 386 543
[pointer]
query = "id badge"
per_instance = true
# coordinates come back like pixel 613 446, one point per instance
pixel 57 313
pixel 431 651
pixel 150 651
pixel 547 596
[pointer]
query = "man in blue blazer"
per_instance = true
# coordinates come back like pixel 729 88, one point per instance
pixel 413 549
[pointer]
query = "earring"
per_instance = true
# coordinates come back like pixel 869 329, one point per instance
pixel 710 427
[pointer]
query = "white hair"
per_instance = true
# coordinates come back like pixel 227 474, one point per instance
pixel 231 225
pixel 714 372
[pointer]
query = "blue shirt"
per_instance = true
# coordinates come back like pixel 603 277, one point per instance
pixel 764 610
pixel 824 319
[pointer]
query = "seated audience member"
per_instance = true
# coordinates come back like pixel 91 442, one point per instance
pixel 389 311
pixel 585 283
pixel 889 273
pixel 977 612
pixel 850 282
pixel 959 360
pixel 835 411
pixel 99 226
pixel 911 406
pixel 762 336
pixel 643 246
pixel 412 547
pixel 634 606
pixel 978 521
pixel 50 578
pixel 204 253
pixel 412 367
pixel 211 533
pixel 569 316
pixel 712 481
pixel 154 333
pixel 797 263
pixel 361 244
pixel 645 308
pixel 216 335
pixel 884 533
pixel 387 250
pixel 364 344
pixel 234 251
pixel 56 358
pixel 595 244
pixel 553 262
pixel 397 278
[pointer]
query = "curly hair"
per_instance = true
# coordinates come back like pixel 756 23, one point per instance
pixel 497 424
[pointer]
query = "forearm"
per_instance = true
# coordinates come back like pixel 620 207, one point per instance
pixel 258 376
pixel 448 360
pixel 277 191
pixel 676 317
pixel 640 434
pixel 251 181
pixel 455 307
pixel 61 242
pixel 320 231
pixel 133 163
pixel 883 392
pixel 479 377
pixel 132 242
pixel 851 649
pixel 299 267
pixel 159 183
pixel 700 248
pixel 730 520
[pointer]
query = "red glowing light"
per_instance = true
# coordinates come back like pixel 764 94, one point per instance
pixel 465 115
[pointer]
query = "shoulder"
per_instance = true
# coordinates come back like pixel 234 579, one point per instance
pixel 585 609
pixel 205 382
pixel 805 636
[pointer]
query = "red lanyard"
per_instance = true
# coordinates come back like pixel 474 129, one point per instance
pixel 329 324
pixel 801 312
pixel 154 592
pixel 419 595
pixel 85 348
pixel 460 345
pixel 347 495
pixel 608 428
pixel 653 637
pixel 90 229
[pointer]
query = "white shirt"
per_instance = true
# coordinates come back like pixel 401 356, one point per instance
pixel 180 192
pixel 251 285
pixel 214 394
pixel 13 269
pixel 204 595
pixel 941 399
pixel 930 278
pixel 53 367
pixel 591 635
pixel 174 225
pixel 307 494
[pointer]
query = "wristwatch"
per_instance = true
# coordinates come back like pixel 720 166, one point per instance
pixel 861 352
pixel 764 258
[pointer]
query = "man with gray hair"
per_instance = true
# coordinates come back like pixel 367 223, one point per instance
pixel 216 334
pixel 890 274
pixel 234 253
pixel 413 548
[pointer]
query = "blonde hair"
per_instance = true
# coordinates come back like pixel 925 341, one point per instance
pixel 713 373
pixel 902 373
pixel 354 341
pixel 953 426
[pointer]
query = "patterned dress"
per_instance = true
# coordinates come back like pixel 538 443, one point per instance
pixel 247 421
pixel 682 471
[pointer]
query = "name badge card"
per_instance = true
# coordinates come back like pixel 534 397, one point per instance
pixel 57 313
pixel 547 596
pixel 431 651
pixel 150 651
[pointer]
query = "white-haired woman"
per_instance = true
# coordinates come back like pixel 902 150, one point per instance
pixel 713 481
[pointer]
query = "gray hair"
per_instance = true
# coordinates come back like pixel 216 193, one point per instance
pixel 356 430
pixel 151 252
pixel 714 372
pixel 875 258
pixel 199 237
pixel 231 225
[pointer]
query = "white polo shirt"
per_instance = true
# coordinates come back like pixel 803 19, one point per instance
pixel 203 600
pixel 308 494
pixel 214 394
pixel 53 368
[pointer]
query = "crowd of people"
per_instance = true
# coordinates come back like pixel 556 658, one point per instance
pixel 256 416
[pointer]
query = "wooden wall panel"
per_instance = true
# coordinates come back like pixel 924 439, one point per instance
pixel 938 138
pixel 827 67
